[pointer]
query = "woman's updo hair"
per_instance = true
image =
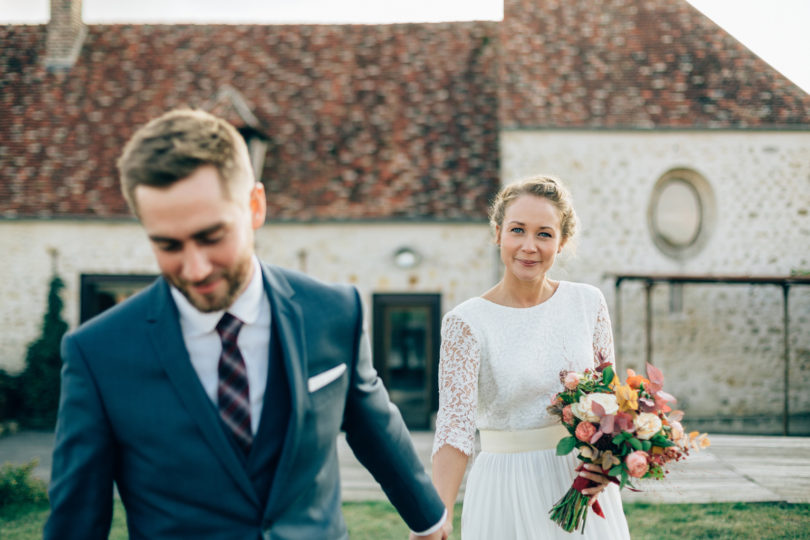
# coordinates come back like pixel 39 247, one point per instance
pixel 540 186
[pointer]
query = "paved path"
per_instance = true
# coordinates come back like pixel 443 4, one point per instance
pixel 734 468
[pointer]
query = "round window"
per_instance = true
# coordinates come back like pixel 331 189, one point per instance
pixel 680 213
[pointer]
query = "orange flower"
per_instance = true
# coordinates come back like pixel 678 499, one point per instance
pixel 635 381
pixel 584 431
pixel 698 440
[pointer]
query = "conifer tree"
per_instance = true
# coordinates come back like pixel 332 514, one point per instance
pixel 39 382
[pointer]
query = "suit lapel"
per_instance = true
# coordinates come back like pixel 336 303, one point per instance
pixel 167 338
pixel 289 323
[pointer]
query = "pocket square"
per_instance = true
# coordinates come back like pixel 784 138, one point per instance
pixel 316 382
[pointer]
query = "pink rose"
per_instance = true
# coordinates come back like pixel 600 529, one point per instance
pixel 637 463
pixel 568 415
pixel 571 380
pixel 584 431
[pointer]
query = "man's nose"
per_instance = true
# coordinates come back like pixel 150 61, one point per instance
pixel 196 266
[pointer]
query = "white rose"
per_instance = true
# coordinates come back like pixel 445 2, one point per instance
pixel 677 431
pixel 584 411
pixel 647 425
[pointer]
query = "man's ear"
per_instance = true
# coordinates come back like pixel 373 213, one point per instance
pixel 258 205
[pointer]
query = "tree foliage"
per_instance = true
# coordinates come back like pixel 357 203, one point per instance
pixel 39 383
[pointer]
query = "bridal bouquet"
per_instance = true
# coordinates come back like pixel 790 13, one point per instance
pixel 628 429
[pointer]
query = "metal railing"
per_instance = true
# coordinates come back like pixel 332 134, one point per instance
pixel 649 280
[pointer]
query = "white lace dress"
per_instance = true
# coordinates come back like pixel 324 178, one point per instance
pixel 499 369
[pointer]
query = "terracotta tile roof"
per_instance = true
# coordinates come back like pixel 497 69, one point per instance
pixel 364 122
pixel 635 64
pixel 379 121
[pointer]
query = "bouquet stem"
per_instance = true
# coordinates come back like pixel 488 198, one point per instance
pixel 571 511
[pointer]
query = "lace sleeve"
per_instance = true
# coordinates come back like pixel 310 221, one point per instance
pixel 603 335
pixel 459 360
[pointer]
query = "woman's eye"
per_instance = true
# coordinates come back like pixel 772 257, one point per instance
pixel 516 230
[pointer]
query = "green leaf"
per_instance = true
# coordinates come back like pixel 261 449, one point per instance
pixel 607 375
pixel 616 470
pixel 629 483
pixel 662 441
pixel 635 443
pixel 621 450
pixel 646 445
pixel 566 445
pixel 620 438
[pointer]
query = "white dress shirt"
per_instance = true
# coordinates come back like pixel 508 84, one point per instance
pixel 205 346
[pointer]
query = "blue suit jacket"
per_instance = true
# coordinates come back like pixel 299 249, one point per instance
pixel 133 411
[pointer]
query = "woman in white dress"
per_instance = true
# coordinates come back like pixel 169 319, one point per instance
pixel 501 358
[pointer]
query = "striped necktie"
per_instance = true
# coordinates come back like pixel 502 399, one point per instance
pixel 233 398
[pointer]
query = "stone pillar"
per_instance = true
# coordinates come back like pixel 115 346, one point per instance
pixel 66 32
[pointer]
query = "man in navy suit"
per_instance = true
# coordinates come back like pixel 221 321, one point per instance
pixel 197 452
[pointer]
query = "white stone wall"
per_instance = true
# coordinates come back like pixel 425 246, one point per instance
pixel 457 261
pixel 723 353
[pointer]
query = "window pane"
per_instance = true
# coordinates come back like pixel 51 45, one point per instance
pixel 677 213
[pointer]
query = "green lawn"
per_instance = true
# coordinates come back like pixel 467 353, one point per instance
pixel 379 521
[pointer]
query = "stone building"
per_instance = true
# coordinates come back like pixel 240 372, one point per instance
pixel 380 147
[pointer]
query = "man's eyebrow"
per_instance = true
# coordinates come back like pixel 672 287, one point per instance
pixel 208 231
pixel 196 236
pixel 161 239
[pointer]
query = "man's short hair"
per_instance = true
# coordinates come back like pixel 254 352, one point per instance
pixel 172 146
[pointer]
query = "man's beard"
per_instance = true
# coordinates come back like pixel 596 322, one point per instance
pixel 235 278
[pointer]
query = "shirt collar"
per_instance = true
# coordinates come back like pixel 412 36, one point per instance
pixel 246 307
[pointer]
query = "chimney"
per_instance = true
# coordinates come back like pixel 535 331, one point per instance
pixel 66 32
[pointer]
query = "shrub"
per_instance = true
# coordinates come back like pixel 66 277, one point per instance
pixel 9 396
pixel 18 485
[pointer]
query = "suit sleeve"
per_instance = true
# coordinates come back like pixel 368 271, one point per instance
pixel 378 437
pixel 81 488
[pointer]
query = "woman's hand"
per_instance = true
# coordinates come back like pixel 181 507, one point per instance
pixel 594 472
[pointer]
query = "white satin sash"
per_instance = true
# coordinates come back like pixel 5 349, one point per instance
pixel 526 440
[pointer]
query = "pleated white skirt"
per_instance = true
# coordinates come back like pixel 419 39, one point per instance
pixel 508 496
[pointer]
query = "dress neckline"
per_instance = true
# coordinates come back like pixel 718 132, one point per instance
pixel 546 302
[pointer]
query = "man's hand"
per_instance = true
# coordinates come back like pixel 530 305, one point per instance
pixel 447 529
pixel 438 535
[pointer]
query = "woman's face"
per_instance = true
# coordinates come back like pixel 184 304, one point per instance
pixel 529 238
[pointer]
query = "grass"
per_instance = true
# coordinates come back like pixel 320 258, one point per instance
pixel 752 521
pixel 379 521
